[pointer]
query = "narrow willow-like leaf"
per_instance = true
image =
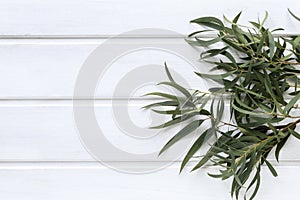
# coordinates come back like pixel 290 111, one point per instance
pixel 168 73
pixel 203 43
pixel 215 77
pixel 272 45
pixel 264 20
pixel 294 133
pixel 213 151
pixel 250 92
pixel 256 180
pixel 195 147
pixel 298 18
pixel 279 147
pixel 178 87
pixel 271 168
pixel 247 112
pixel 173 121
pixel 211 22
pixel 291 103
pixel 212 52
pixel 197 32
pixel 162 103
pixel 296 42
pixel 182 133
pixel 172 112
pixel 161 94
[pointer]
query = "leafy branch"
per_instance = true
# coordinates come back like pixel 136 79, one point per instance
pixel 259 72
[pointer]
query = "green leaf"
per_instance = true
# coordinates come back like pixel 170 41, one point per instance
pixel 296 42
pixel 212 52
pixel 237 17
pixel 247 112
pixel 168 73
pixel 163 103
pixel 271 45
pixel 235 45
pixel 271 168
pixel 220 110
pixel 174 121
pixel 262 42
pixel 203 43
pixel 268 85
pixel 215 175
pixel 172 112
pixel 261 121
pixel 161 94
pixel 297 18
pixel 197 32
pixel 234 21
pixel 212 151
pixel 211 22
pixel 196 146
pixel 294 133
pixel 291 103
pixel 264 20
pixel 257 180
pixel 241 103
pixel 178 87
pixel 215 77
pixel 279 147
pixel 250 92
pixel 182 133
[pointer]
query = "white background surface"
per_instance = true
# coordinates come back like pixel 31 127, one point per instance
pixel 42 47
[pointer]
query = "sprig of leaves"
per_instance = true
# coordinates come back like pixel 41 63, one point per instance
pixel 260 73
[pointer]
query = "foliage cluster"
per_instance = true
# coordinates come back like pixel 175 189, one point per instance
pixel 257 72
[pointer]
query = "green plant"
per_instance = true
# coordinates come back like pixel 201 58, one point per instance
pixel 257 72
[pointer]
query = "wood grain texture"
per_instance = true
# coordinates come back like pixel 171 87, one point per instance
pixel 104 18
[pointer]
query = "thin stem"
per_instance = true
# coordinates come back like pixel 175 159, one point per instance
pixel 290 125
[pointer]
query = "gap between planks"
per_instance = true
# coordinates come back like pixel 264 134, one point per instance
pixel 12 165
pixel 91 36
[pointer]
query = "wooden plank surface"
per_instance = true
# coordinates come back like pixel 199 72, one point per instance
pixel 43 46
pixel 69 181
pixel 48 69
pixel 105 18
pixel 46 131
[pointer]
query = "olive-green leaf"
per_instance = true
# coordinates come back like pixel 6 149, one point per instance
pixel 196 146
pixel 271 45
pixel 168 73
pixel 178 87
pixel 162 103
pixel 298 18
pixel 291 103
pixel 294 133
pixel 161 94
pixel 182 133
pixel 279 146
pixel 247 112
pixel 215 76
pixel 211 22
pixel 271 168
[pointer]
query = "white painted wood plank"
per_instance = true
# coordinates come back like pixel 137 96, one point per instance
pixel 45 131
pixel 47 69
pixel 95 182
pixel 111 17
